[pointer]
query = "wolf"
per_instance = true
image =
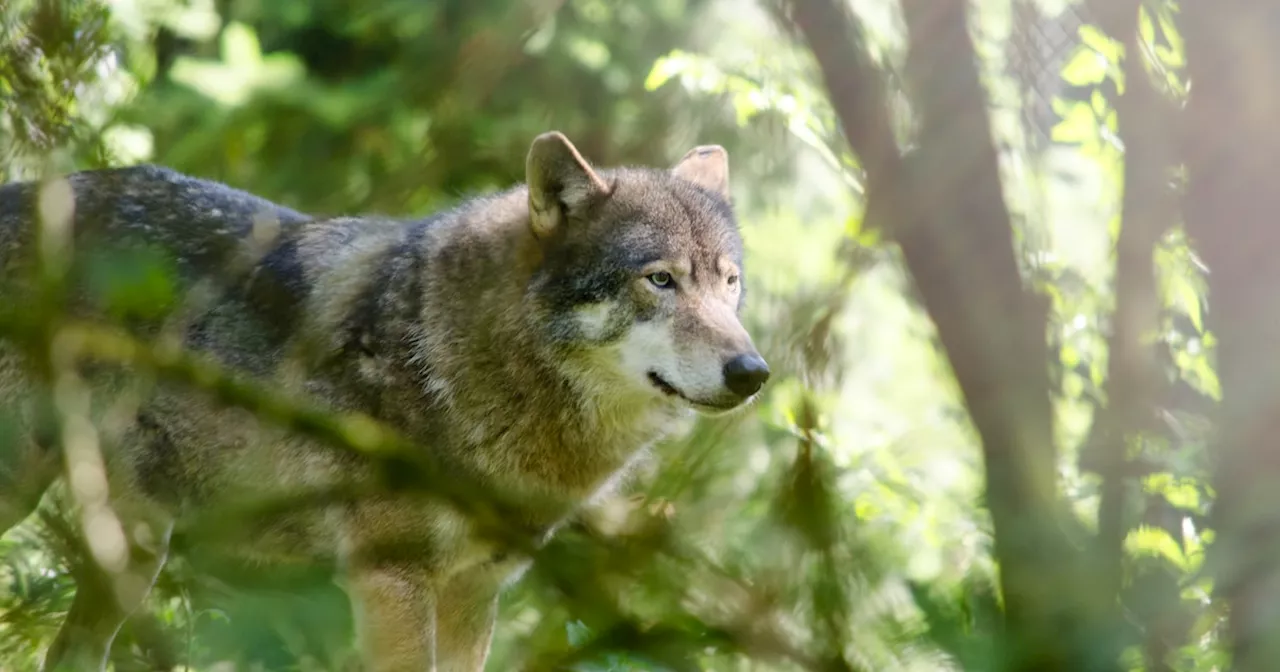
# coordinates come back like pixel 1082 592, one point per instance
pixel 537 340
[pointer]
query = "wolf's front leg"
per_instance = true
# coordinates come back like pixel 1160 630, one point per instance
pixel 394 617
pixel 466 609
pixel 406 622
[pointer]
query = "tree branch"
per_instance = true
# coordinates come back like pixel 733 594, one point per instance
pixel 956 239
pixel 1146 213
pixel 1233 156
pixel 857 94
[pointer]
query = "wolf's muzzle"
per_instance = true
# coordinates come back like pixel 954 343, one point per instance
pixel 744 375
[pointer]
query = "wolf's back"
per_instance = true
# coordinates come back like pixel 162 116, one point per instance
pixel 200 223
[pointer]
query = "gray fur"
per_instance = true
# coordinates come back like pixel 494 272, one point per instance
pixel 509 334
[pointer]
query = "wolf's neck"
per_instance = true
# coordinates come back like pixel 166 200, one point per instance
pixel 454 302
pixel 484 354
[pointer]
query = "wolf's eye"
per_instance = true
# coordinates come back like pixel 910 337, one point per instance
pixel 661 279
pixel 733 280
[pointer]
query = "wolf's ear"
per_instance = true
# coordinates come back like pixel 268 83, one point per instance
pixel 706 166
pixel 560 182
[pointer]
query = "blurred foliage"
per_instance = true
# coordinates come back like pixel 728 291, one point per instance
pixel 846 509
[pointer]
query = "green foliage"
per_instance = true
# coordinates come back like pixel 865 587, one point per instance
pixel 47 50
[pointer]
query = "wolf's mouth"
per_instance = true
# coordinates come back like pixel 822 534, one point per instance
pixel 673 391
pixel 666 388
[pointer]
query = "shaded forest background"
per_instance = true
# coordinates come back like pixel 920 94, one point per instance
pixel 1008 428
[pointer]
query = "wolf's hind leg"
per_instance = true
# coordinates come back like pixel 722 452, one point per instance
pixel 103 600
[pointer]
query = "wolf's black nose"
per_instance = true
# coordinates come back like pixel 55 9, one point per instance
pixel 746 374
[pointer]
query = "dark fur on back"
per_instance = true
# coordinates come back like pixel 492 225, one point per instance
pixel 201 223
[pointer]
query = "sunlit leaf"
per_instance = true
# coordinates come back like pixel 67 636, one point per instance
pixel 1078 126
pixel 1155 542
pixel 1085 67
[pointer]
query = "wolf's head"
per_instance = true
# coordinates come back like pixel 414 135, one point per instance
pixel 642 278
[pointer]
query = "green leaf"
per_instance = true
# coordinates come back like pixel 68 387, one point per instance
pixel 1098 102
pixel 240 47
pixel 1180 492
pixel 242 70
pixel 1079 125
pixel 1155 542
pixel 577 632
pixel 1183 295
pixel 1098 41
pixel 664 69
pixel 1085 67
pixel 1146 29
pixel 594 54
pixel 1070 357
pixel 1172 56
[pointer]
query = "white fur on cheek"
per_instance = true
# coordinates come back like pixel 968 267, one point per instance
pixel 650 346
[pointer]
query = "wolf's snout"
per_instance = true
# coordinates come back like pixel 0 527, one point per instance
pixel 744 375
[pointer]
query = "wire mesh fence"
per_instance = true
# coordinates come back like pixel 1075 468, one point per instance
pixel 1042 42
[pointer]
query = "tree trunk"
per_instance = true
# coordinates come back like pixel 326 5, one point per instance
pixel 1233 160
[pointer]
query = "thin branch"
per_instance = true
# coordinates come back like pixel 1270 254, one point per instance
pixel 857 92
